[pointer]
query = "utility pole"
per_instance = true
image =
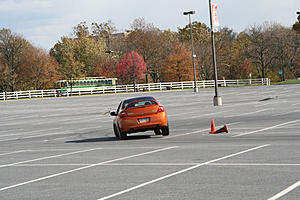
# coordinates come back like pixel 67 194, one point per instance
pixel 193 54
pixel 217 99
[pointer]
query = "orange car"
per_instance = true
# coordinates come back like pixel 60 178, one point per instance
pixel 140 114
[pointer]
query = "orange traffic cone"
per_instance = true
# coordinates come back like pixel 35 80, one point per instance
pixel 212 127
pixel 221 130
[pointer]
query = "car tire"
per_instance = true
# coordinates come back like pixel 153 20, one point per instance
pixel 165 130
pixel 123 136
pixel 116 131
pixel 158 131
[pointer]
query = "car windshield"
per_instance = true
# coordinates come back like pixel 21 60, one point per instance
pixel 141 103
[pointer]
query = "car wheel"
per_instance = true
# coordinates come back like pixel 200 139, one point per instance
pixel 116 131
pixel 123 136
pixel 158 131
pixel 165 130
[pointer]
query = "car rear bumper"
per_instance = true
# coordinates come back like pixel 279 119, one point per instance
pixel 132 124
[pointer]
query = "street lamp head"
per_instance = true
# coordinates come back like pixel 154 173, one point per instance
pixel 298 13
pixel 109 51
pixel 189 12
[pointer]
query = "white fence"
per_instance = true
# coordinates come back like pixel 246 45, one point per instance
pixel 129 88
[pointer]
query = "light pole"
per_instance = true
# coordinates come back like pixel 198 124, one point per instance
pixel 217 98
pixel 189 13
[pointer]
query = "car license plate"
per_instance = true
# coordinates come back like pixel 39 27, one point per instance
pixel 144 120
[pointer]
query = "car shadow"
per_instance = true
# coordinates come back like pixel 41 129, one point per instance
pixel 109 139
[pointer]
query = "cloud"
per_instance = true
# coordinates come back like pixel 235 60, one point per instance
pixel 45 21
pixel 14 6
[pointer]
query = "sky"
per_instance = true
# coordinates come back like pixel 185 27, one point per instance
pixel 44 22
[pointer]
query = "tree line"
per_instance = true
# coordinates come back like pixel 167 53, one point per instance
pixel 147 54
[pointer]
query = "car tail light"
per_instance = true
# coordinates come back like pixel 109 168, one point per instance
pixel 123 114
pixel 161 109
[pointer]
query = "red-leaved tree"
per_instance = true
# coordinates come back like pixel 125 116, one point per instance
pixel 131 68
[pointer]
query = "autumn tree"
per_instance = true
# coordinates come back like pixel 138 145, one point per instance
pixel 200 32
pixel 201 39
pixel 81 52
pixel 38 70
pixel 106 66
pixel 149 42
pixel 131 68
pixel 81 30
pixel 12 47
pixel 4 77
pixel 231 62
pixel 103 32
pixel 178 66
pixel 225 55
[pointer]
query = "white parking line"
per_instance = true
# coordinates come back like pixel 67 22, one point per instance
pixel 48 157
pixel 180 172
pixel 13 123
pixel 160 164
pixel 183 134
pixel 286 113
pixel 18 117
pixel 268 128
pixel 85 167
pixel 250 113
pixel 287 190
pixel 14 129
pixel 109 164
pixel 55 133
pixel 182 113
pixel 24 133
pixel 3 154
pixel 34 136
pixel 208 114
pixel 255 164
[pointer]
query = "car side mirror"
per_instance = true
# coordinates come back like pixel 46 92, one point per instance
pixel 113 114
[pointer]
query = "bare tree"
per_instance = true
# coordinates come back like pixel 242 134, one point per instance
pixel 286 48
pixel 259 48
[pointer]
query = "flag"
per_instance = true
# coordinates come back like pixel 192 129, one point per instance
pixel 215 21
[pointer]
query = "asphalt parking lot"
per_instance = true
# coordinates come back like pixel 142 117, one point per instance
pixel 64 148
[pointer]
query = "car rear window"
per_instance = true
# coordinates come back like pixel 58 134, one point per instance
pixel 127 101
pixel 141 103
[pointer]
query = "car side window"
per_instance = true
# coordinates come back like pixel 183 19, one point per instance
pixel 149 103
pixel 119 107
